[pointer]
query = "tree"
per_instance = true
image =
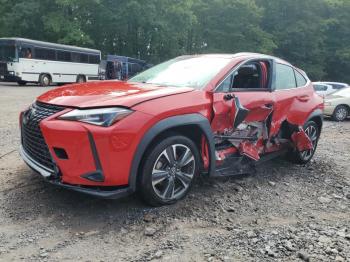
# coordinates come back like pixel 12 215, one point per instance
pixel 298 29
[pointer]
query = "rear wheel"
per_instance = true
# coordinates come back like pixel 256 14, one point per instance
pixel 313 132
pixel 45 80
pixel 169 170
pixel 340 113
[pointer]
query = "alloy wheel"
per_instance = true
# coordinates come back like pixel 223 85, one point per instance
pixel 341 113
pixel 173 172
pixel 312 133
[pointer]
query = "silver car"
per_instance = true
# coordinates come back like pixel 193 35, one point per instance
pixel 337 105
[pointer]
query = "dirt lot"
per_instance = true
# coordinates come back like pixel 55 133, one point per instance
pixel 281 212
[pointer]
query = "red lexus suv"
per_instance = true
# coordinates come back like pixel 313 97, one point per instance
pixel 217 115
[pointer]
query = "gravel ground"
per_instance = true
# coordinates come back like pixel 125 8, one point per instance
pixel 281 212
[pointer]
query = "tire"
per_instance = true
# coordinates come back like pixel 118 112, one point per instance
pixel 81 79
pixel 167 177
pixel 21 83
pixel 340 113
pixel 313 131
pixel 45 80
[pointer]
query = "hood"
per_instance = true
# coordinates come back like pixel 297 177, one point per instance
pixel 107 93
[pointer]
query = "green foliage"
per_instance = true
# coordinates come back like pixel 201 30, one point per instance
pixel 312 34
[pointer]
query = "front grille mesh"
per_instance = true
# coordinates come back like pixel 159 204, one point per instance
pixel 3 69
pixel 32 139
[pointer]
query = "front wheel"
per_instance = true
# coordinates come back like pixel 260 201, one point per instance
pixel 45 80
pixel 21 83
pixel 81 79
pixel 169 170
pixel 340 113
pixel 312 130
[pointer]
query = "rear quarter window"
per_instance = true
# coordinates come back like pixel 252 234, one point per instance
pixel 301 81
pixel 285 78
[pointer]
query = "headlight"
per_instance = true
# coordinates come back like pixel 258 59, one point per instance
pixel 100 117
pixel 327 103
pixel 11 73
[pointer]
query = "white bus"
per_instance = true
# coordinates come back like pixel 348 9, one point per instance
pixel 28 61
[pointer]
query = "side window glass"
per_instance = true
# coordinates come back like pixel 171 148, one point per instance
pixel 301 81
pixel 320 88
pixel 93 59
pixel 26 52
pixel 64 56
pixel 226 85
pixel 285 78
pixel 84 58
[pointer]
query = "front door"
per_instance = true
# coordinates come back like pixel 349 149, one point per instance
pixel 250 87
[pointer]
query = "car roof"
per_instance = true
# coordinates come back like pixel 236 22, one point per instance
pixel 336 83
pixel 246 55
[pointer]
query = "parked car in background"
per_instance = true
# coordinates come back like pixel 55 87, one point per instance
pixel 121 67
pixel 326 88
pixel 29 61
pixel 337 105
pixel 323 89
pixel 218 115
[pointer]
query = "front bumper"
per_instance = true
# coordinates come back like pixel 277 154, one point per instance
pixel 9 78
pixel 51 177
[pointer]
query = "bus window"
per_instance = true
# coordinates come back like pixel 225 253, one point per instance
pixel 45 54
pixel 94 59
pixel 26 52
pixel 7 53
pixel 75 57
pixel 84 58
pixel 64 56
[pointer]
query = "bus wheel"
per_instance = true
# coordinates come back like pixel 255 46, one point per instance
pixel 81 79
pixel 45 80
pixel 21 83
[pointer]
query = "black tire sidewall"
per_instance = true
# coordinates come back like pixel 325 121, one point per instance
pixel 82 78
pixel 145 185
pixel 21 83
pixel 42 82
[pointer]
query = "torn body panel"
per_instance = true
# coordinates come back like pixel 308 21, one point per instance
pixel 246 132
pixel 301 141
pixel 251 131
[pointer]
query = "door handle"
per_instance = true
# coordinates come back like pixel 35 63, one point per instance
pixel 228 97
pixel 304 98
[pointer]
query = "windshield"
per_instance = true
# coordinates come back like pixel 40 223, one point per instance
pixel 344 92
pixel 193 72
pixel 7 53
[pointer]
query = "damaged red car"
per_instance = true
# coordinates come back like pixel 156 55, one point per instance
pixel 217 115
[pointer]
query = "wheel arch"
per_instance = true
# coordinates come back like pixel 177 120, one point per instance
pixel 317 117
pixel 81 75
pixel 180 125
